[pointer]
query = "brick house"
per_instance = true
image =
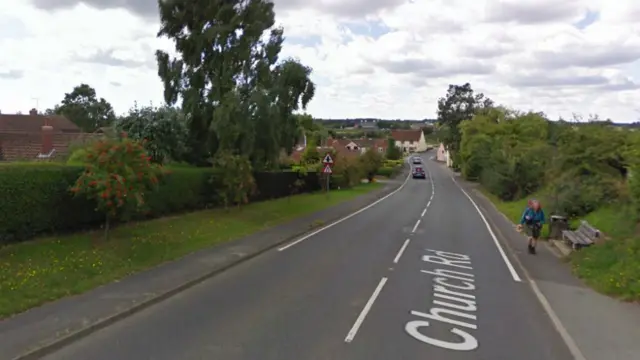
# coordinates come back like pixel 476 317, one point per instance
pixel 36 136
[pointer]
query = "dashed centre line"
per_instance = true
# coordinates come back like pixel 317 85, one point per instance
pixel 367 307
pixel 426 208
pixel 404 246
pixel 415 227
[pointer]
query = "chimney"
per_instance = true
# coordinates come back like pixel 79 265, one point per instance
pixel 47 139
pixel 33 112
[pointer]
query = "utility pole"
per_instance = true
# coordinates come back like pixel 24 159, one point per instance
pixel 37 102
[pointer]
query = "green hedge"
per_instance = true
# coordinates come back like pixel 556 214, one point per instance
pixel 393 163
pixel 36 198
pixel 389 171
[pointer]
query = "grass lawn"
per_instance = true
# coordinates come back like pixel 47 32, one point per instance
pixel 41 270
pixel 613 267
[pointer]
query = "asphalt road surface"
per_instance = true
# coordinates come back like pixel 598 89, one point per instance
pixel 418 276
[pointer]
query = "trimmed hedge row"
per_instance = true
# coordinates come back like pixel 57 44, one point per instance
pixel 36 198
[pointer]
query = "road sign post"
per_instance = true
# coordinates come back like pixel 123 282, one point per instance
pixel 327 161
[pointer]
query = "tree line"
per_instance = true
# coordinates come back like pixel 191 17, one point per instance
pixel 579 166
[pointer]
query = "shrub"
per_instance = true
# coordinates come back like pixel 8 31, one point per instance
pixel 117 176
pixel 273 185
pixel 393 163
pixel 235 181
pixel 370 162
pixel 387 171
pixel 78 157
pixel 347 172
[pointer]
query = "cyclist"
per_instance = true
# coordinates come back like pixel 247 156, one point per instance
pixel 532 219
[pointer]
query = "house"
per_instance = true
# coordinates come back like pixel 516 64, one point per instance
pixel 35 136
pixel 443 155
pixel 410 140
pixel 360 145
pixel 349 148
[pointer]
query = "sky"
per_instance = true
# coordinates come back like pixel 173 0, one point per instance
pixel 388 59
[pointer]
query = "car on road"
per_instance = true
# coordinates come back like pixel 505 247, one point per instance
pixel 417 160
pixel 418 173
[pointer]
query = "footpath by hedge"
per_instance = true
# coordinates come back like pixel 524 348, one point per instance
pixel 36 197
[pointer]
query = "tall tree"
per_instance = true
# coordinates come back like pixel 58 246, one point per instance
pixel 84 109
pixel 237 96
pixel 459 104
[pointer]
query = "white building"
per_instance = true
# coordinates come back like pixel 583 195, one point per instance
pixel 410 140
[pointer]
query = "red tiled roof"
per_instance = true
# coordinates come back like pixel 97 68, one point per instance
pixel 362 143
pixel 33 123
pixel 406 135
pixel 27 146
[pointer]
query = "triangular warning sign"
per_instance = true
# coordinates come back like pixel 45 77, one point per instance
pixel 327 159
pixel 327 169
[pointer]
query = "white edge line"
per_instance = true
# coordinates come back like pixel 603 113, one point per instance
pixel 363 314
pixel 424 211
pixel 506 260
pixel 346 217
pixel 415 227
pixel 564 333
pixel 404 246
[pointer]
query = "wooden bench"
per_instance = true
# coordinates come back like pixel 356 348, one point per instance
pixel 584 235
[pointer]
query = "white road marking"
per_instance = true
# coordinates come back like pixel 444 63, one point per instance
pixel 415 227
pixel 404 246
pixel 426 208
pixel 346 217
pixel 354 329
pixel 460 305
pixel 512 270
pixel 564 334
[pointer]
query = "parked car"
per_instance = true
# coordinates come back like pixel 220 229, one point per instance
pixel 418 173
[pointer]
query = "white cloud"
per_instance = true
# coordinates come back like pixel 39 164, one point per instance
pixel 381 58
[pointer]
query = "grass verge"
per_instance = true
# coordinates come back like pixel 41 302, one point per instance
pixel 613 267
pixel 47 269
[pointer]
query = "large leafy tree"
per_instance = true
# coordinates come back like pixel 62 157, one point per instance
pixel 237 94
pixel 163 130
pixel 85 109
pixel 459 104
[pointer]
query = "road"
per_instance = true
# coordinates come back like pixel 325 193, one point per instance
pixel 418 276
